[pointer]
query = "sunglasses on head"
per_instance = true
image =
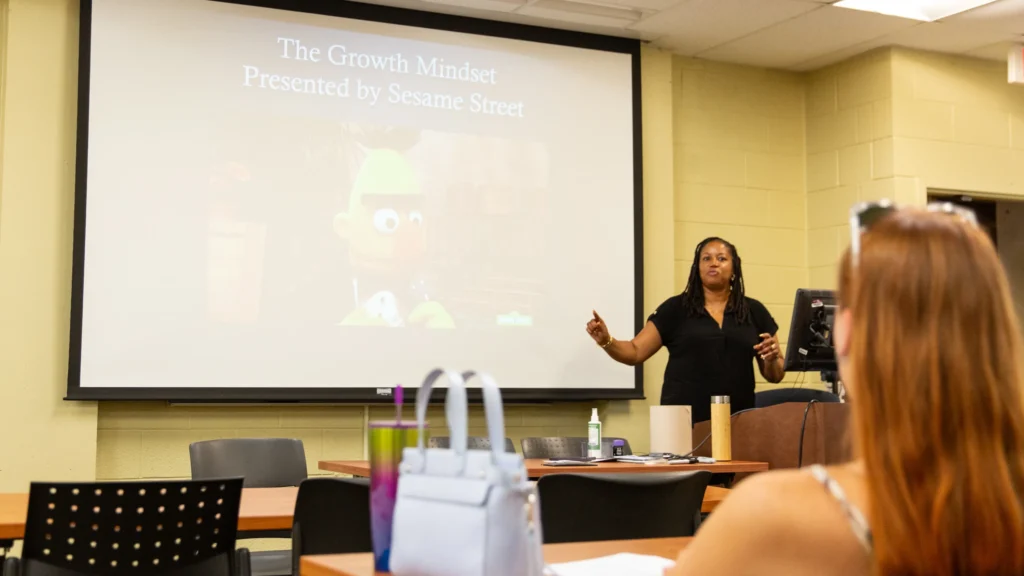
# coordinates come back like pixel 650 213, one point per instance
pixel 866 214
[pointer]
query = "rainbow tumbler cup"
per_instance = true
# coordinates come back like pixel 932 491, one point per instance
pixel 387 440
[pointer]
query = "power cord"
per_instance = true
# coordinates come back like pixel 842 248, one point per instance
pixel 801 379
pixel 803 428
pixel 697 447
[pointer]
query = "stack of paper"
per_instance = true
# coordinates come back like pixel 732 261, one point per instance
pixel 617 565
pixel 638 459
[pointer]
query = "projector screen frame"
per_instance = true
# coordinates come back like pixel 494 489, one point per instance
pixel 374 13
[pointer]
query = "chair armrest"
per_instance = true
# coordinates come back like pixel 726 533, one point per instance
pixel 243 566
pixel 11 567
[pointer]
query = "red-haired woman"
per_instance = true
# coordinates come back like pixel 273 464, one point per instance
pixel 930 349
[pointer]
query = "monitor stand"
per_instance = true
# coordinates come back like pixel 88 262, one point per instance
pixel 835 385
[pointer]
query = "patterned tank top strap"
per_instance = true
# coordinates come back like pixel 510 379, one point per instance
pixel 858 522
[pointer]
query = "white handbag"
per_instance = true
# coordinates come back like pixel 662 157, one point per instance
pixel 462 512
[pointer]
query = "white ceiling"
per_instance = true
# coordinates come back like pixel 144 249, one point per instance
pixel 786 34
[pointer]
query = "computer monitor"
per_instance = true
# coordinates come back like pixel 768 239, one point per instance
pixel 810 348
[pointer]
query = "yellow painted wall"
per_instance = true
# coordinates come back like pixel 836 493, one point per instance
pixel 43 436
pixel 632 419
pixel 3 72
pixel 739 144
pixel 849 153
pixel 957 125
pixel 895 123
pixel 150 440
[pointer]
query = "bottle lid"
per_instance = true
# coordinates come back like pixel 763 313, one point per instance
pixel 619 443
pixel 593 414
pixel 719 399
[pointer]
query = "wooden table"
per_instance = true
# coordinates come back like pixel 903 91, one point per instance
pixel 261 509
pixel 535 467
pixel 713 496
pixel 362 564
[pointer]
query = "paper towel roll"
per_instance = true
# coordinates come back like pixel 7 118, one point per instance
pixel 671 429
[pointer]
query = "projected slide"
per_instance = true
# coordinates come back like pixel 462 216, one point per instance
pixel 282 200
pixel 418 249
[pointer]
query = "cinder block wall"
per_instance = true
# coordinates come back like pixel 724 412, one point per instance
pixel 740 175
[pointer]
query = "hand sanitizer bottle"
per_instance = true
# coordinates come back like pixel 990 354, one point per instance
pixel 594 436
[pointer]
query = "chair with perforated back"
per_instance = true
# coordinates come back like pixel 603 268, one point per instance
pixel 157 528
pixel 332 516
pixel 597 507
pixel 567 447
pixel 473 443
pixel 263 463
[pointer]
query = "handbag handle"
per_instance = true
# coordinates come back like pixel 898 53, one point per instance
pixel 455 407
pixel 493 410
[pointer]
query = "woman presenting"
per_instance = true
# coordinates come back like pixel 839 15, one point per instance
pixel 712 331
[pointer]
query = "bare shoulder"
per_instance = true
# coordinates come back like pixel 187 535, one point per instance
pixel 777 497
pixel 785 499
pixel 771 506
pixel 783 520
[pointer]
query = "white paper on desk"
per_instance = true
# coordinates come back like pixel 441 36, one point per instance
pixel 638 459
pixel 624 564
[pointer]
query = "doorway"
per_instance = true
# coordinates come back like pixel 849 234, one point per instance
pixel 1003 220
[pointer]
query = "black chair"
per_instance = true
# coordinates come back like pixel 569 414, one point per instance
pixel 263 463
pixel 157 528
pixel 596 507
pixel 473 443
pixel 332 516
pixel 567 447
pixel 783 395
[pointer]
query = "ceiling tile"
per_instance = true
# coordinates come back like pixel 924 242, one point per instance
pixel 496 5
pixel 829 58
pixel 954 38
pixel 550 13
pixel 696 25
pixel 805 37
pixel 651 5
pixel 1005 16
pixel 474 10
pixel 467 8
pixel 997 51
pixel 947 37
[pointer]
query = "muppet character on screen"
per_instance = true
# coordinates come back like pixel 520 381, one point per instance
pixel 387 246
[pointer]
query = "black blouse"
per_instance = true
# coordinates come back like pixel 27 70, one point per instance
pixel 706 360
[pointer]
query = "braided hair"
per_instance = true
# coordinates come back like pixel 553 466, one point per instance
pixel 693 296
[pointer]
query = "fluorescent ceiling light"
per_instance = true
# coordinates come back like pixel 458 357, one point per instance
pixel 925 10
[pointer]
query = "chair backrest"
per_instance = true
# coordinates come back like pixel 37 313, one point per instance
pixel 332 516
pixel 262 462
pixel 175 527
pixel 567 447
pixel 783 395
pixel 594 507
pixel 473 443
